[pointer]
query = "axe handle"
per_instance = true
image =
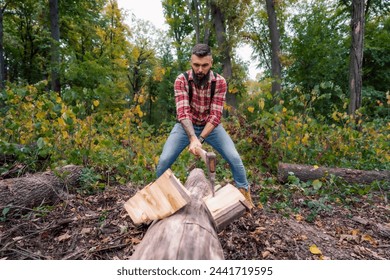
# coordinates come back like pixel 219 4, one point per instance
pixel 203 154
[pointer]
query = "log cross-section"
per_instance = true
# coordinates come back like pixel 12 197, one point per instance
pixel 189 234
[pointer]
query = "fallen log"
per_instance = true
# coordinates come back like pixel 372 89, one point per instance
pixel 189 234
pixel 310 172
pixel 40 188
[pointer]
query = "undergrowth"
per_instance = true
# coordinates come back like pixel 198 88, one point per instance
pixel 40 131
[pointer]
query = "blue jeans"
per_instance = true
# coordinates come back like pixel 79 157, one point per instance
pixel 218 139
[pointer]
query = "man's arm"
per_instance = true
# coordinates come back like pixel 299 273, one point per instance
pixel 194 141
pixel 209 127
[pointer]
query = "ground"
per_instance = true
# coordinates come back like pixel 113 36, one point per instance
pixel 98 227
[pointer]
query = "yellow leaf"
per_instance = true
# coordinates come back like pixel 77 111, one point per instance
pixel 233 90
pixel 298 217
pixel 261 103
pixel 314 250
pixel 141 99
pixel 251 109
pixel 355 232
pixel 368 238
pixel 41 115
pixel 315 167
pixel 61 122
pixel 305 139
pixel 96 103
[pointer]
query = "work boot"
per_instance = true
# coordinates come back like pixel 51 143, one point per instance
pixel 247 194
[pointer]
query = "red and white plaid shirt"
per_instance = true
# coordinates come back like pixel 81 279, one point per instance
pixel 201 111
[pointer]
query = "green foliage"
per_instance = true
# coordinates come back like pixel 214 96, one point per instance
pixel 315 198
pixel 90 181
pixel 4 213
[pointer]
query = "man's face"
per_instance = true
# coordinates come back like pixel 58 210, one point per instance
pixel 201 65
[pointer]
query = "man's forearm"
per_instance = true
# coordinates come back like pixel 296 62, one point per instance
pixel 207 130
pixel 188 128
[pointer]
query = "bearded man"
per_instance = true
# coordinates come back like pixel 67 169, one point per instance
pixel 199 107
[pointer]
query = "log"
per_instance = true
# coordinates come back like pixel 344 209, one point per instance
pixel 40 188
pixel 189 234
pixel 310 172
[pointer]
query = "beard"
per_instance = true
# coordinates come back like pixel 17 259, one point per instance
pixel 200 81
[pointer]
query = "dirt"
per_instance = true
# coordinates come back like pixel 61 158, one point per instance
pixel 97 227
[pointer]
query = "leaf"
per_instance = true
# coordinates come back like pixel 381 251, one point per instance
pixel 305 138
pixel 369 238
pixel 40 143
pixel 315 250
pixel 251 109
pixel 317 184
pixel 261 103
pixel 299 217
pixel 96 103
pixel 63 237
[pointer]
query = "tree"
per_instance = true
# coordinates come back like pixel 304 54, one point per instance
pixel 276 68
pixel 55 52
pixel 179 21
pixel 356 56
pixel 224 48
pixel 3 7
pixel 229 19
pixel 2 66
pixel 199 11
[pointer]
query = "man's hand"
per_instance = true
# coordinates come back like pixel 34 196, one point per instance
pixel 194 144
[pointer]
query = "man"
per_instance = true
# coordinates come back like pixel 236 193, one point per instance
pixel 199 118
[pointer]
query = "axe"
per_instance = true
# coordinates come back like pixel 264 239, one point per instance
pixel 210 160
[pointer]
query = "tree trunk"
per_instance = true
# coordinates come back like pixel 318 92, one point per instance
pixel 189 234
pixel 37 189
pixel 309 172
pixel 356 56
pixel 55 52
pixel 2 61
pixel 224 47
pixel 276 68
pixel 194 17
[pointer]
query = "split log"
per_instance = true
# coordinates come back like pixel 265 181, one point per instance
pixel 40 188
pixel 310 172
pixel 227 205
pixel 157 200
pixel 189 234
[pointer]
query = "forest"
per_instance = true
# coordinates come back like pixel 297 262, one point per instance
pixel 87 84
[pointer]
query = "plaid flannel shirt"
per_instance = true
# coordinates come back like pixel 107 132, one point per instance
pixel 200 111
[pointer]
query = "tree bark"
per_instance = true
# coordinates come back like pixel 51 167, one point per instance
pixel 309 172
pixel 189 234
pixel 356 56
pixel 2 60
pixel 55 51
pixel 276 68
pixel 224 47
pixel 37 189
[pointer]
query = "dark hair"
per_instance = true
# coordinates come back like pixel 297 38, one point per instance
pixel 201 50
